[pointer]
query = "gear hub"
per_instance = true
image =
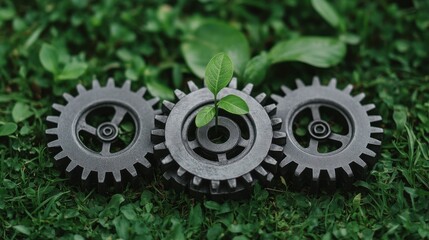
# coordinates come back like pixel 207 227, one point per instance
pixel 101 137
pixel 332 139
pixel 206 164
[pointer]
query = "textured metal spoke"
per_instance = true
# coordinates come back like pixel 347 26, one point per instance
pixel 344 139
pixel 243 142
pixel 193 144
pixel 314 144
pixel 83 126
pixel 106 148
pixel 119 115
pixel 315 112
pixel 222 158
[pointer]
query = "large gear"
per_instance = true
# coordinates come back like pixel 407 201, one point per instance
pixel 97 154
pixel 191 160
pixel 332 139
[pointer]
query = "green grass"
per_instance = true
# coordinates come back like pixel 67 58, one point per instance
pixel 140 40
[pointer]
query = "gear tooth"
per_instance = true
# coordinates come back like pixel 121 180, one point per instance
pixel 143 161
pixel 181 172
pixel 110 83
pixel 215 184
pixel 132 171
pixel 276 98
pixel 299 170
pixel 71 167
pixel 376 130
pixel 233 83
pixel 60 155
pixel 117 176
pixel 261 98
pixel 348 89
pixel 279 137
pixel 160 147
pixel 261 171
pixel 55 143
pixel 348 170
pixel 153 101
pixel 276 123
pixel 271 109
pixel 52 131
pixel 369 107
pixel 248 178
pixel 157 135
pixel 375 118
pixel 299 83
pixel 332 175
pixel 179 94
pixel 248 88
pixel 232 183
pixel 270 161
pixel 142 91
pixel 369 152
pixel 276 149
pixel 285 89
pixel 333 83
pixel 359 97
pixel 85 174
pixel 58 107
pixel 167 106
pixel 270 177
pixel 361 163
pixel 80 88
pixel 167 160
pixel 53 119
pixel 375 142
pixel 285 162
pixel 196 181
pixel 127 85
pixel 101 177
pixel 68 97
pixel 95 84
pixel 160 120
pixel 192 86
pixel 316 174
pixel 316 81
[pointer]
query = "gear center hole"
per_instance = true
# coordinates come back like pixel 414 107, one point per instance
pixel 219 135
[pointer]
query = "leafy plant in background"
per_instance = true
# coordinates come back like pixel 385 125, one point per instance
pixel 218 74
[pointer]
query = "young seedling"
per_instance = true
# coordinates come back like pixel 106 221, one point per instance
pixel 218 74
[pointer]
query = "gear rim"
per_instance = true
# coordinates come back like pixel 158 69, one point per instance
pixel 94 169
pixel 339 168
pixel 216 180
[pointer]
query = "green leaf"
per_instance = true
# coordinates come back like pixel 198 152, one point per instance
pixel 320 52
pixel 22 229
pixel 205 115
pixel 159 89
pixel 350 38
pixel 48 56
pixel 325 10
pixel 211 38
pixel 219 72
pixel 215 232
pixel 8 129
pixel 234 105
pixel 256 69
pixel 73 70
pixel 20 112
pixel 196 216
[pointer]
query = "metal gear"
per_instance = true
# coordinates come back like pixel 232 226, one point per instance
pixel 332 139
pixel 114 162
pixel 191 160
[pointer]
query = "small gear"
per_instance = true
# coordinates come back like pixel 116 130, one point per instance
pixel 101 137
pixel 191 159
pixel 332 139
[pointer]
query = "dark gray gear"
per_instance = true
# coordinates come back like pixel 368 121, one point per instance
pixel 103 168
pixel 338 141
pixel 220 170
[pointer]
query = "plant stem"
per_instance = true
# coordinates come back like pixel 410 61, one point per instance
pixel 216 114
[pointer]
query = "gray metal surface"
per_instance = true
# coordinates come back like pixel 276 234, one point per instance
pixel 358 148
pixel 192 161
pixel 102 169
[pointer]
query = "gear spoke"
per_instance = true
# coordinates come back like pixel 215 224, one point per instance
pixel 106 148
pixel 315 111
pixel 193 144
pixel 314 144
pixel 119 115
pixel 222 158
pixel 243 142
pixel 83 126
pixel 343 139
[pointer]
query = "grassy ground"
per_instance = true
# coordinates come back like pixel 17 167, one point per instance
pixel 140 41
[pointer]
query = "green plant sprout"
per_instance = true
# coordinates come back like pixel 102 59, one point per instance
pixel 218 74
